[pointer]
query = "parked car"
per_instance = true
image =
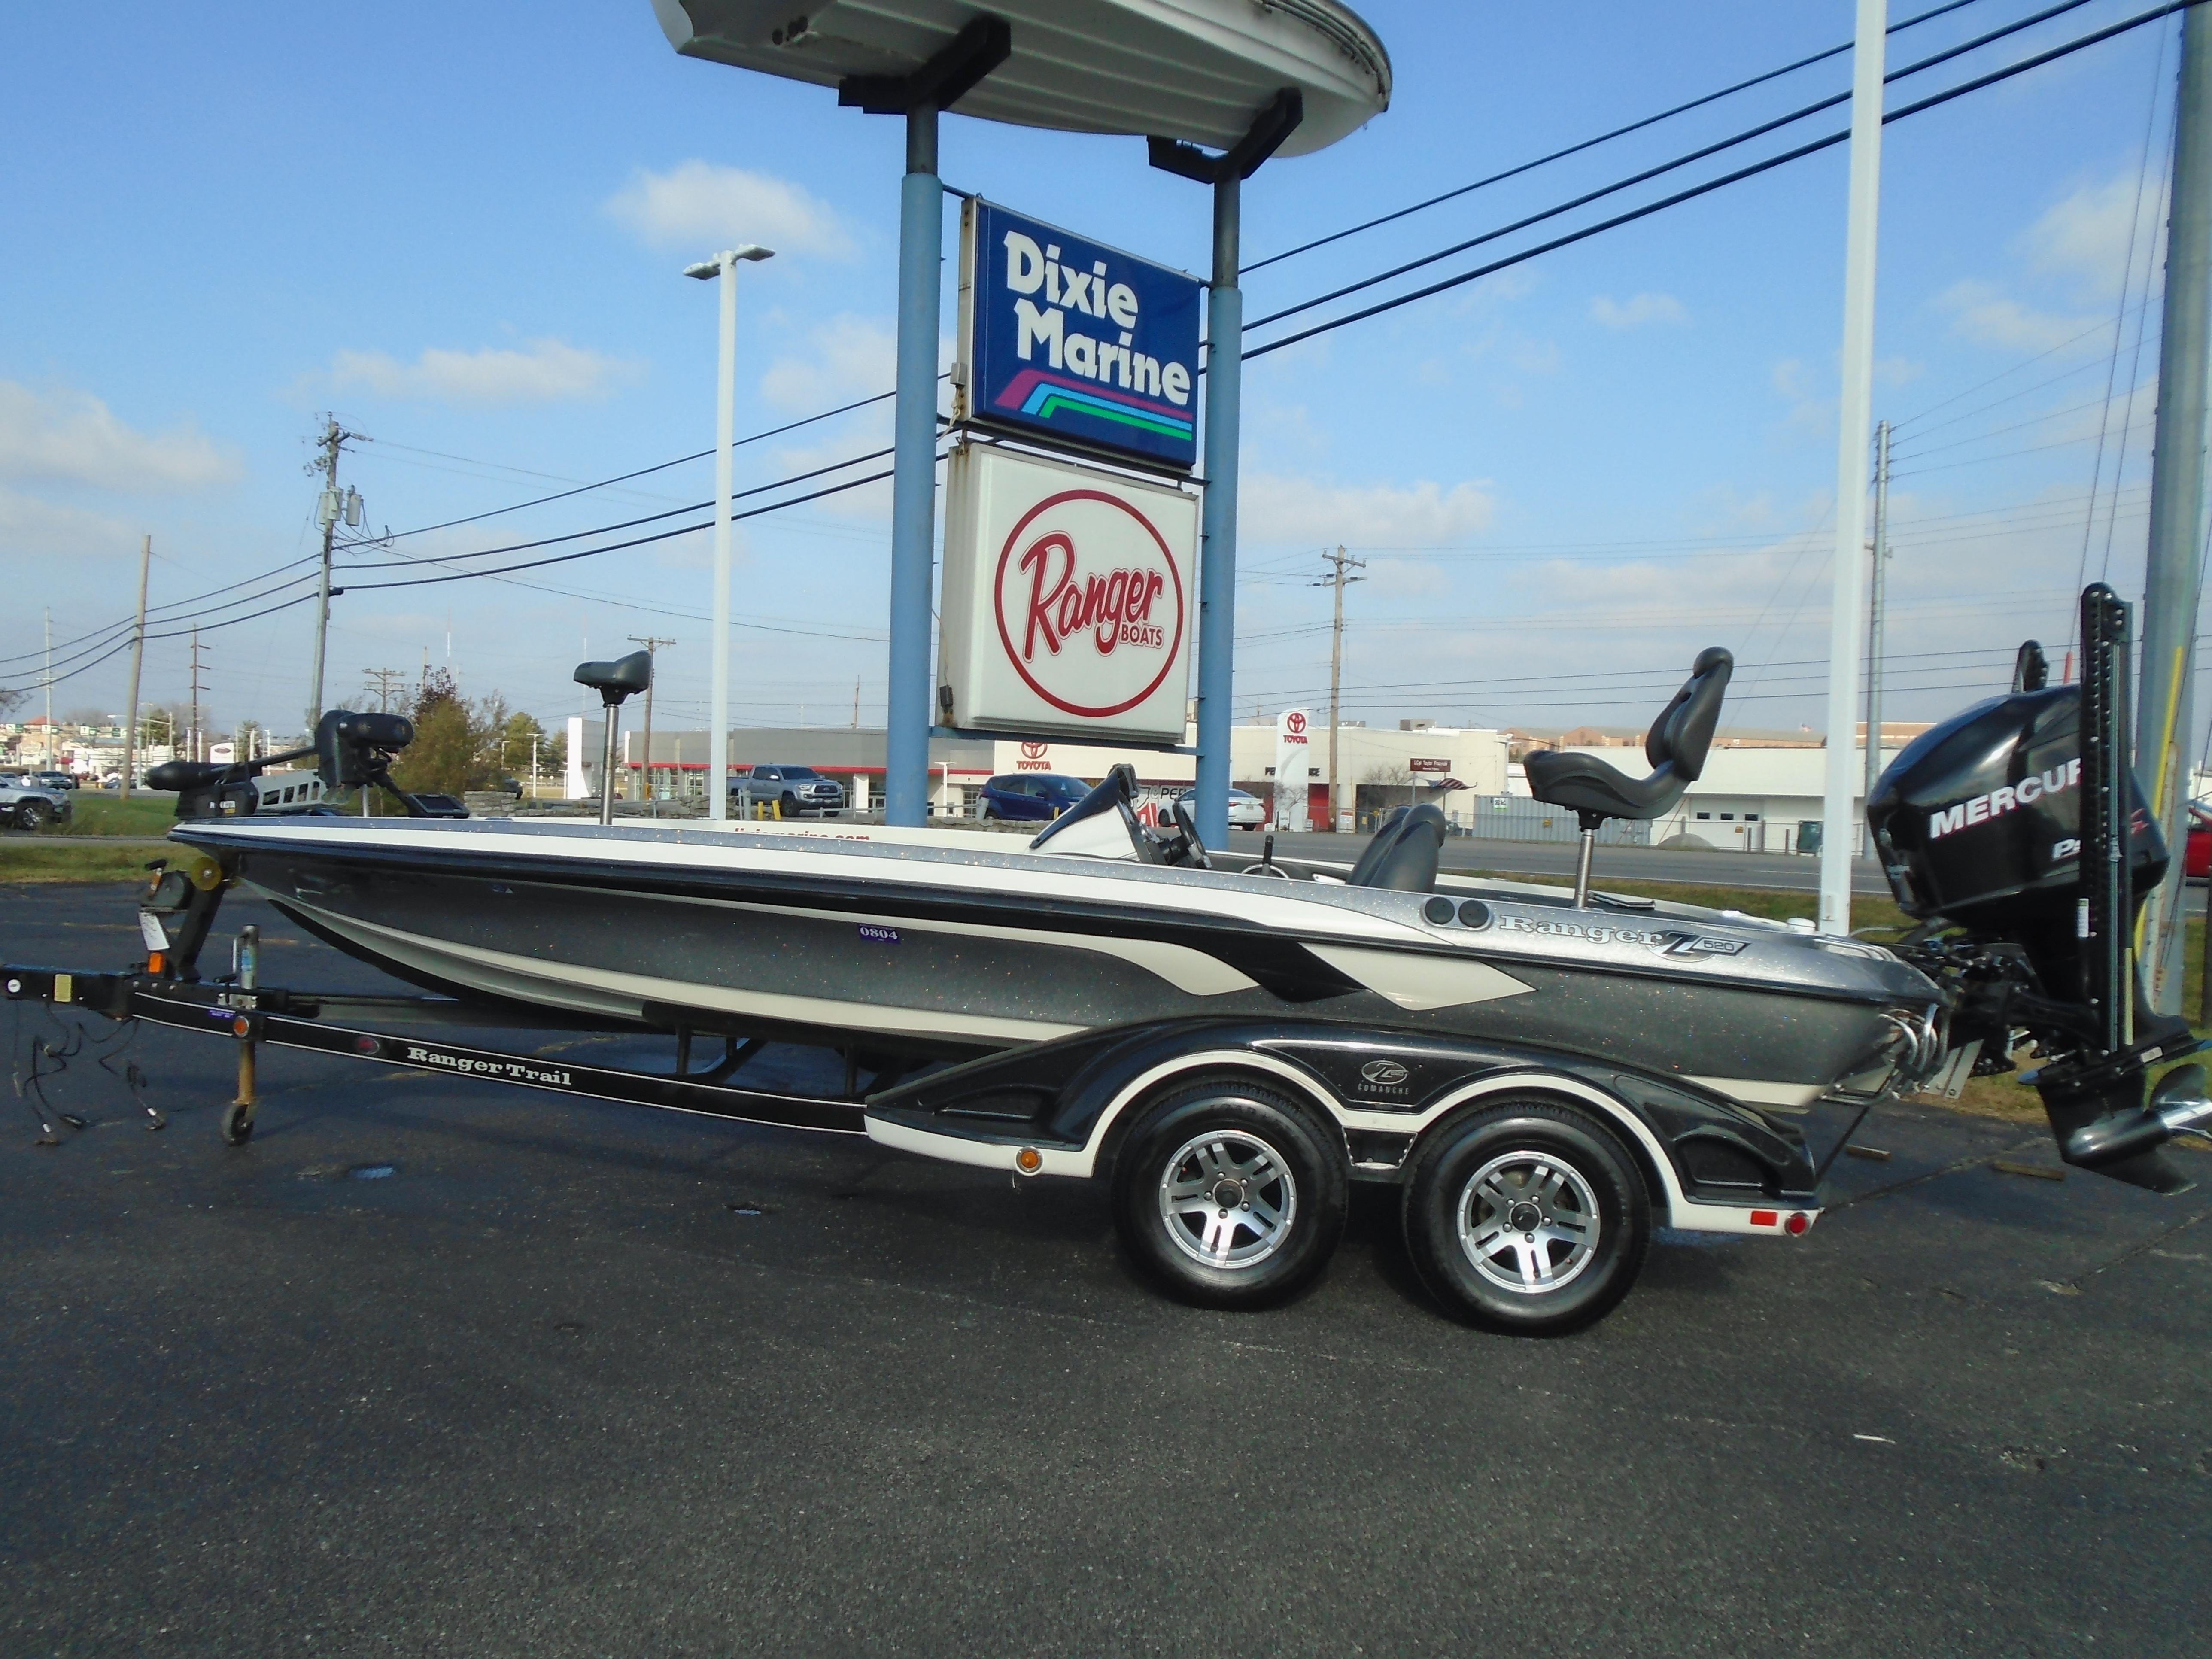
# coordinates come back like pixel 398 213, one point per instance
pixel 1246 811
pixel 795 791
pixel 2197 855
pixel 24 805
pixel 54 780
pixel 1028 797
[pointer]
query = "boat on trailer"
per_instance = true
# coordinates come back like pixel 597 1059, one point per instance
pixel 1546 1074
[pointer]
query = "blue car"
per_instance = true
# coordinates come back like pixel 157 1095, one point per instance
pixel 1035 797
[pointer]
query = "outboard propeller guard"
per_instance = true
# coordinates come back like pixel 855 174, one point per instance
pixel 2016 835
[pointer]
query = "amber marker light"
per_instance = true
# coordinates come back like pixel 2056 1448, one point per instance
pixel 1028 1160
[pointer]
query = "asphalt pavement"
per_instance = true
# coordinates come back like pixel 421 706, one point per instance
pixel 437 1366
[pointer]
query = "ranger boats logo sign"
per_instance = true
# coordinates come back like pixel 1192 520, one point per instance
pixel 1067 600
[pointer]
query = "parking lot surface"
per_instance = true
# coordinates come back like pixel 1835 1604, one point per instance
pixel 436 1365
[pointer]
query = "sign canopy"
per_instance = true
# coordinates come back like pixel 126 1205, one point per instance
pixel 1074 343
pixel 1191 70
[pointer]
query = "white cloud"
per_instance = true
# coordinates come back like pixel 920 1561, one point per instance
pixel 851 357
pixel 546 371
pixel 30 528
pixel 1639 311
pixel 2085 237
pixel 1987 315
pixel 1275 508
pixel 73 437
pixel 700 207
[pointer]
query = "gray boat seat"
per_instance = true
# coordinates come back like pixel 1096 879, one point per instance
pixel 1675 747
pixel 616 680
pixel 1403 855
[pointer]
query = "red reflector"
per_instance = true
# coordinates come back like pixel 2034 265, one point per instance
pixel 1797 1224
pixel 1766 1218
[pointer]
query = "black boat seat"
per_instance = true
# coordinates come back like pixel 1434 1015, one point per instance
pixel 1675 747
pixel 1403 855
pixel 622 678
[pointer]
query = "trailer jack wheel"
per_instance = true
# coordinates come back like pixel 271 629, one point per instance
pixel 238 1123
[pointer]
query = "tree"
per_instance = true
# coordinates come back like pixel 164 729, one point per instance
pixel 458 745
pixel 515 744
pixel 10 699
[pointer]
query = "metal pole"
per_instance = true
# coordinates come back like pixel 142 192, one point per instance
pixel 1874 621
pixel 2164 716
pixel 1336 689
pixel 1836 818
pixel 914 477
pixel 1217 581
pixel 726 435
pixel 609 714
pixel 48 678
pixel 137 663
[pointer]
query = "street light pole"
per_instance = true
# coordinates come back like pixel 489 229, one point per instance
pixel 724 267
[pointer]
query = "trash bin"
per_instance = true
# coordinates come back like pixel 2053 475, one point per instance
pixel 1808 836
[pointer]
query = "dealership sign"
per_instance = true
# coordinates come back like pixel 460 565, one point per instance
pixel 1293 767
pixel 1069 599
pixel 1072 343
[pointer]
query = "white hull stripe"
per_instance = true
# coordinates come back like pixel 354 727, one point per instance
pixel 1422 981
pixel 464 962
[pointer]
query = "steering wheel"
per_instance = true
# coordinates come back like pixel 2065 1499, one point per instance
pixel 1183 848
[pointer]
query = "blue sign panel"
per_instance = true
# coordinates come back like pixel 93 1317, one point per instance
pixel 1068 342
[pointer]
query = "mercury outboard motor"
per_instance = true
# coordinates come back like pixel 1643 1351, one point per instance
pixel 2016 835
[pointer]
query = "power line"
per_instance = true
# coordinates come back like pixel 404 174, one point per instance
pixel 1591 143
pixel 1679 162
pixel 1978 83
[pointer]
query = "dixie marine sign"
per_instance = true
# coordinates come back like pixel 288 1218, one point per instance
pixel 1075 343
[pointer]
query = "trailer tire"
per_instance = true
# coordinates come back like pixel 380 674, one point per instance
pixel 1231 1195
pixel 1529 1218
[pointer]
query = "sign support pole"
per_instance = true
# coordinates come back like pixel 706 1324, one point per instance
pixel 913 476
pixel 1217 580
pixel 1225 378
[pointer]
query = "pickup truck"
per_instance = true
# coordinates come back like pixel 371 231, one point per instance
pixel 789 792
pixel 28 805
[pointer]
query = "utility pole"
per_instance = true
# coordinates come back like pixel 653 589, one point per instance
pixel 329 507
pixel 2164 716
pixel 1337 579
pixel 383 682
pixel 1874 620
pixel 137 663
pixel 651 644
pixel 856 702
pixel 195 696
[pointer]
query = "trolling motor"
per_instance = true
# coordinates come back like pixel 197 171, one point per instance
pixel 351 752
pixel 2016 835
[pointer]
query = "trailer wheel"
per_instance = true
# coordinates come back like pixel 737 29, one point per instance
pixel 237 1123
pixel 1230 1195
pixel 1530 1218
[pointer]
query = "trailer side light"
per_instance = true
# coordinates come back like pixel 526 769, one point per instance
pixel 241 1026
pixel 156 963
pixel 1028 1160
pixel 1798 1224
pixel 1766 1218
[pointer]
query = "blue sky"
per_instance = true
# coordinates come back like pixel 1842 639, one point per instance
pixel 461 228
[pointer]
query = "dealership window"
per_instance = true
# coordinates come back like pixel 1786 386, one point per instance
pixel 1751 817
pixel 1728 817
pixel 1702 816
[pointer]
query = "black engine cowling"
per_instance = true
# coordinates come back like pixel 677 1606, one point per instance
pixel 1979 821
